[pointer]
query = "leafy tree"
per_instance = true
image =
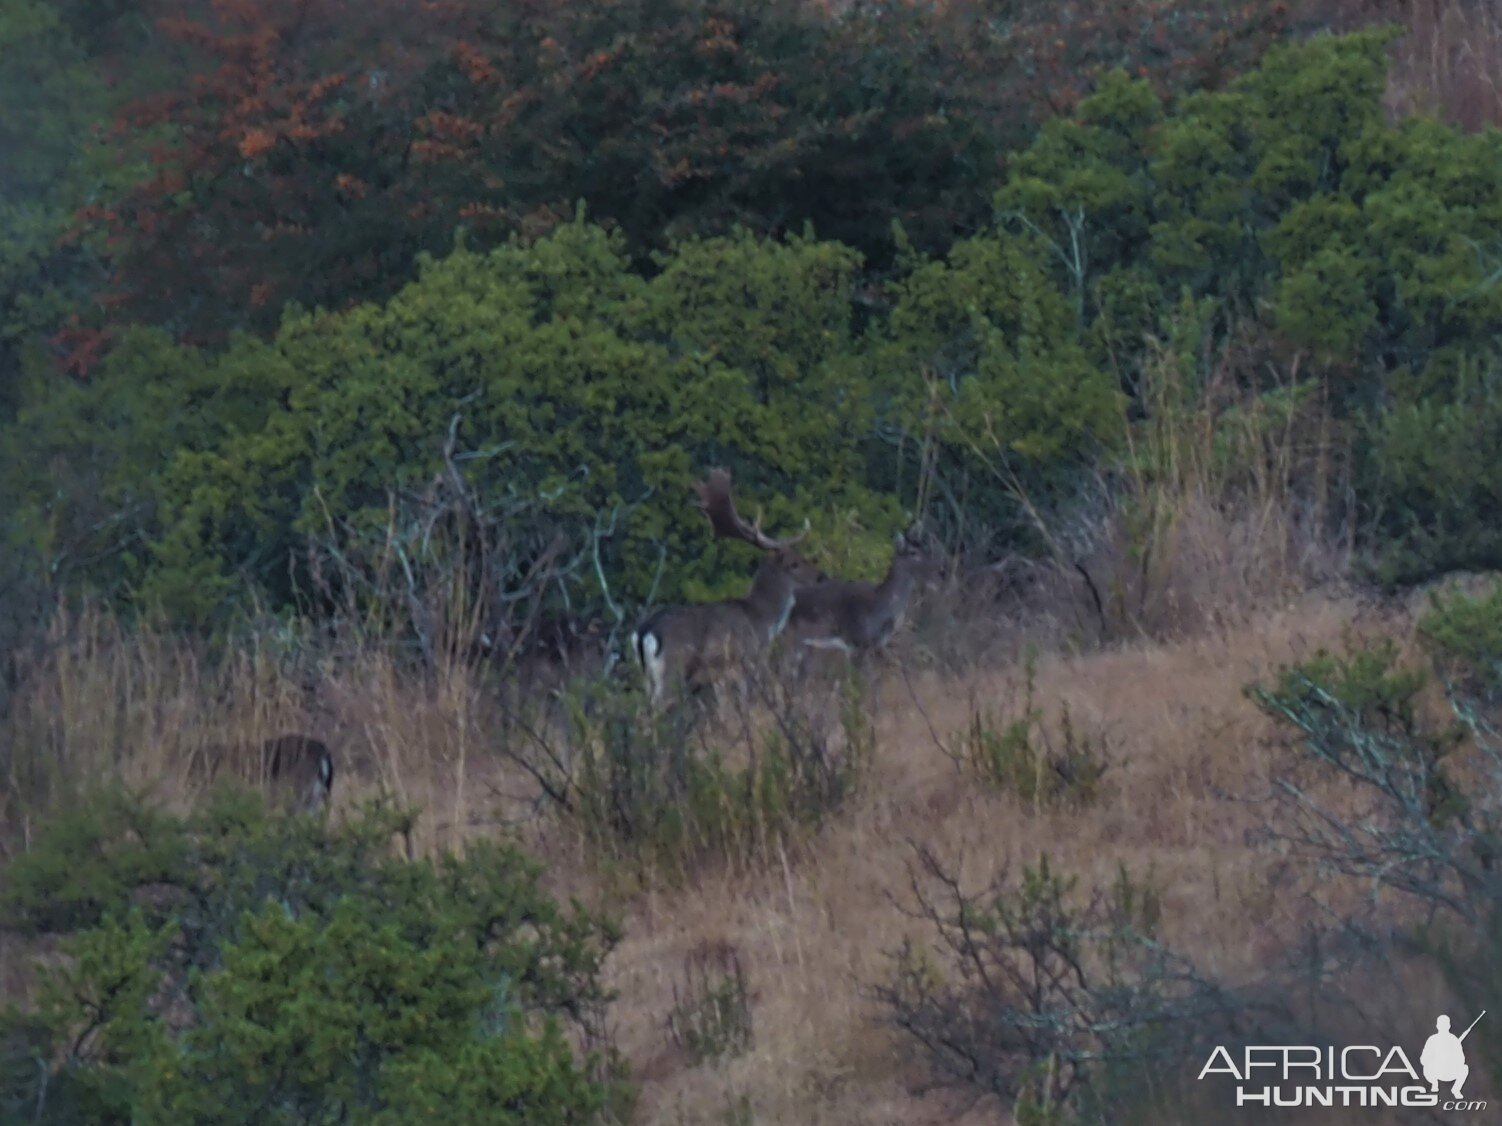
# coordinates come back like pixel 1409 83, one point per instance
pixel 232 964
pixel 1062 49
pixel 981 356
pixel 677 120
pixel 281 138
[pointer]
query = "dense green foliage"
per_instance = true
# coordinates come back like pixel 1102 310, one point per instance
pixel 307 150
pixel 588 385
pixel 581 394
pixel 1369 251
pixel 233 966
pixel 52 100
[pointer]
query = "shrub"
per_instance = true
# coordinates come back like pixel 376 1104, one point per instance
pixel 1371 245
pixel 1017 756
pixel 233 964
pixel 712 1016
pixel 573 395
pixel 1415 817
pixel 1431 474
pixel 675 788
pixel 1029 992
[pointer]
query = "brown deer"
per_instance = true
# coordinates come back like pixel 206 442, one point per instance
pixel 296 770
pixel 854 616
pixel 300 772
pixel 696 643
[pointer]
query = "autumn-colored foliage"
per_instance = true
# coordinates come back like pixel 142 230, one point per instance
pixel 280 154
pixel 1181 44
pixel 307 150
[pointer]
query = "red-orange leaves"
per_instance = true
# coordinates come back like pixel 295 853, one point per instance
pixel 256 140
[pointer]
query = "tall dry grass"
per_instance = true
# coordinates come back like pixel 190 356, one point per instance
pixel 102 702
pixel 1448 64
pixel 1232 495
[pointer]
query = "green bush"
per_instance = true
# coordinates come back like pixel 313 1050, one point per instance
pixel 580 395
pixel 673 789
pixel 570 388
pixel 1401 794
pixel 1432 471
pixel 1043 995
pixel 1371 246
pixel 711 1018
pixel 1016 755
pixel 235 965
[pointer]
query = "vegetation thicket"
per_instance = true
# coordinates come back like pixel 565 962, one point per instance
pixel 340 343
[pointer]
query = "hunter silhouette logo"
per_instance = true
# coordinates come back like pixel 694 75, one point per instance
pixel 1364 1075
pixel 1443 1060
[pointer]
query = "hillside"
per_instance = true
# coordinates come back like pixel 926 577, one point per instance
pixel 765 561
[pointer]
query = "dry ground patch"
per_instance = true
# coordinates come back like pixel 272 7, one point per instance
pixel 814 931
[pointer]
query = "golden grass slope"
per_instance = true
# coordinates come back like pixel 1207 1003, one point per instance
pixel 814 922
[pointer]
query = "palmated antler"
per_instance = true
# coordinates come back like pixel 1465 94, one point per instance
pixel 717 501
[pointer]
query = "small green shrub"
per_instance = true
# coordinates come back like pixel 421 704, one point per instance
pixel 1401 794
pixel 1363 713
pixel 711 1018
pixel 677 787
pixel 232 965
pixel 1031 990
pixel 1017 756
pixel 1433 473
pixel 1464 635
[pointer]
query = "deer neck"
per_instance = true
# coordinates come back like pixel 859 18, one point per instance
pixel 770 599
pixel 897 588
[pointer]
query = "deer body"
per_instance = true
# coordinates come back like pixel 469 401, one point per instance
pixel 300 771
pixel 854 616
pixel 698 642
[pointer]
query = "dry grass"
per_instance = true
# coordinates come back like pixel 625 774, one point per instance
pixel 812 925
pixel 1448 63
pixel 811 933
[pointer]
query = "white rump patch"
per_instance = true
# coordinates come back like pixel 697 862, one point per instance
pixel 652 662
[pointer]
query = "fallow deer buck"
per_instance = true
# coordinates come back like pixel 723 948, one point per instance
pixel 857 617
pixel 697 643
